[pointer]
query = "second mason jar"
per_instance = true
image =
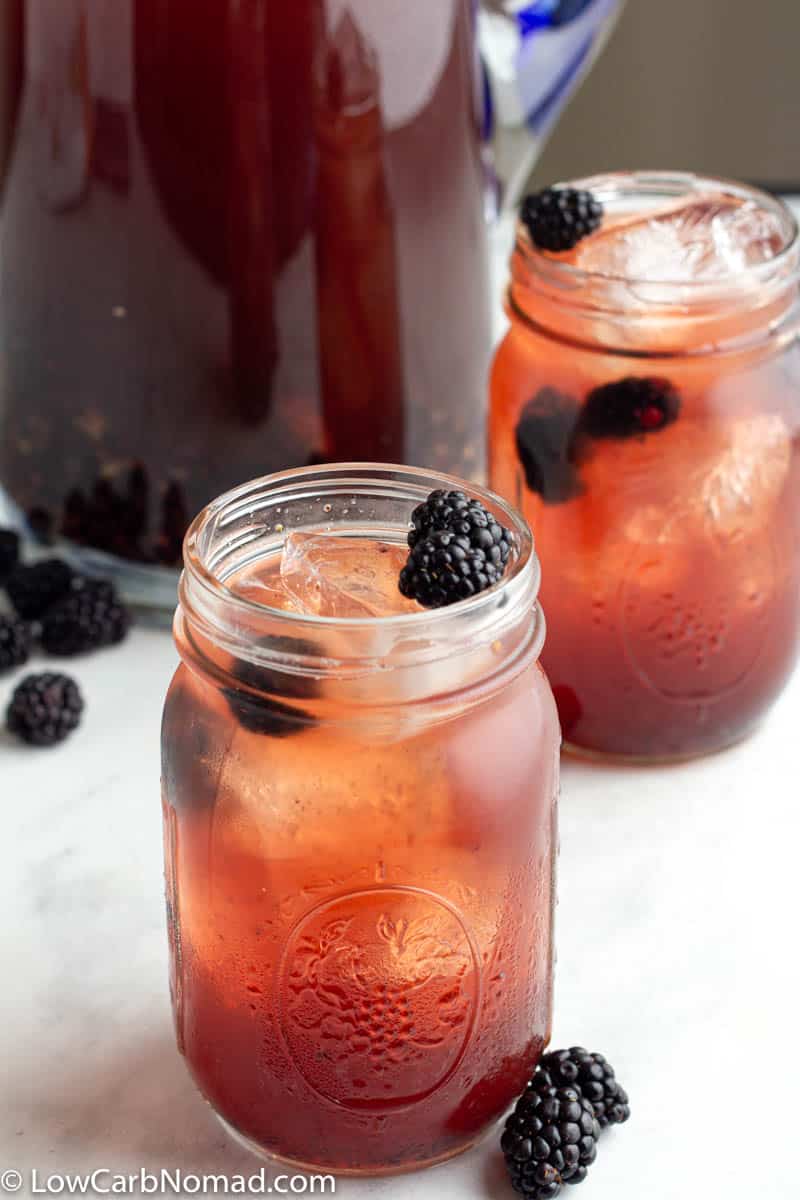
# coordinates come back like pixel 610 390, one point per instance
pixel 360 832
pixel 645 417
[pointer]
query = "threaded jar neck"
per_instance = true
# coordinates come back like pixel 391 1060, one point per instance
pixel 397 658
pixel 609 310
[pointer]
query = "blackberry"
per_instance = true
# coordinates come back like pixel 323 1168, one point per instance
pixel 479 531
pixel 593 1076
pixel 460 514
pixel 265 716
pixel 258 711
pixel 444 568
pixel 436 512
pixel 630 406
pixel 14 643
pixel 44 709
pixel 558 218
pixel 34 589
pixel 40 523
pixel 549 1139
pixel 9 551
pixel 109 517
pixel 89 617
pixel 547 446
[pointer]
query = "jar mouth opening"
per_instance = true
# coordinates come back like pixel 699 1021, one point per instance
pixel 253 520
pixel 622 189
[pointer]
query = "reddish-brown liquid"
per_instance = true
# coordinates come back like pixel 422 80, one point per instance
pixel 671 558
pixel 360 913
pixel 236 237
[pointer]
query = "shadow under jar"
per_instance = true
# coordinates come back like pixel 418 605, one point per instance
pixel 646 419
pixel 360 838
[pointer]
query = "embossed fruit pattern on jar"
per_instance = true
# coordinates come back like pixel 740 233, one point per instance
pixel 646 418
pixel 360 892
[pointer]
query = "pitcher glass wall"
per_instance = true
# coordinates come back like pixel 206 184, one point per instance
pixel 237 237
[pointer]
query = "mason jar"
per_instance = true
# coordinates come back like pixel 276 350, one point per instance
pixel 360 834
pixel 645 416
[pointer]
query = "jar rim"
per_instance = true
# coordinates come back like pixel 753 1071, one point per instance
pixel 236 530
pixel 350 477
pixel 669 183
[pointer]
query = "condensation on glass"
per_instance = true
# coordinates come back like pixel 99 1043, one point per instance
pixel 359 821
pixel 646 419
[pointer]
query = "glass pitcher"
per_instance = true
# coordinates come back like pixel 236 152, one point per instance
pixel 238 237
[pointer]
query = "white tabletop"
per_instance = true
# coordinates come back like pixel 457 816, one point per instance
pixel 677 954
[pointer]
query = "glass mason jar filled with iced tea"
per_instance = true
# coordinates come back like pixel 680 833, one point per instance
pixel 646 419
pixel 359 807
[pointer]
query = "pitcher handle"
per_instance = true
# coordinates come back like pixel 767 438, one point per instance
pixel 534 54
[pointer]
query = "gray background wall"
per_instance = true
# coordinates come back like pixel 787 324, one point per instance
pixel 710 85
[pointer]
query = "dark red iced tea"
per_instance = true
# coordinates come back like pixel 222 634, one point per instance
pixel 360 871
pixel 649 428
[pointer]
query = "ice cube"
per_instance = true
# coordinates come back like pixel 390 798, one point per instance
pixel 269 592
pixel 703 240
pixel 331 576
pixel 646 250
pixel 699 482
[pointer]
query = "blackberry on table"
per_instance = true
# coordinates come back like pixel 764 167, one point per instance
pixel 593 1076
pixel 550 1139
pixel 89 617
pixel 35 588
pixel 15 642
pixel 44 709
pixel 546 445
pixel 634 405
pixel 558 218
pixel 444 568
pixel 9 551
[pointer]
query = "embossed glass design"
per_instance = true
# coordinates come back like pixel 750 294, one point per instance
pixel 666 510
pixel 360 835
